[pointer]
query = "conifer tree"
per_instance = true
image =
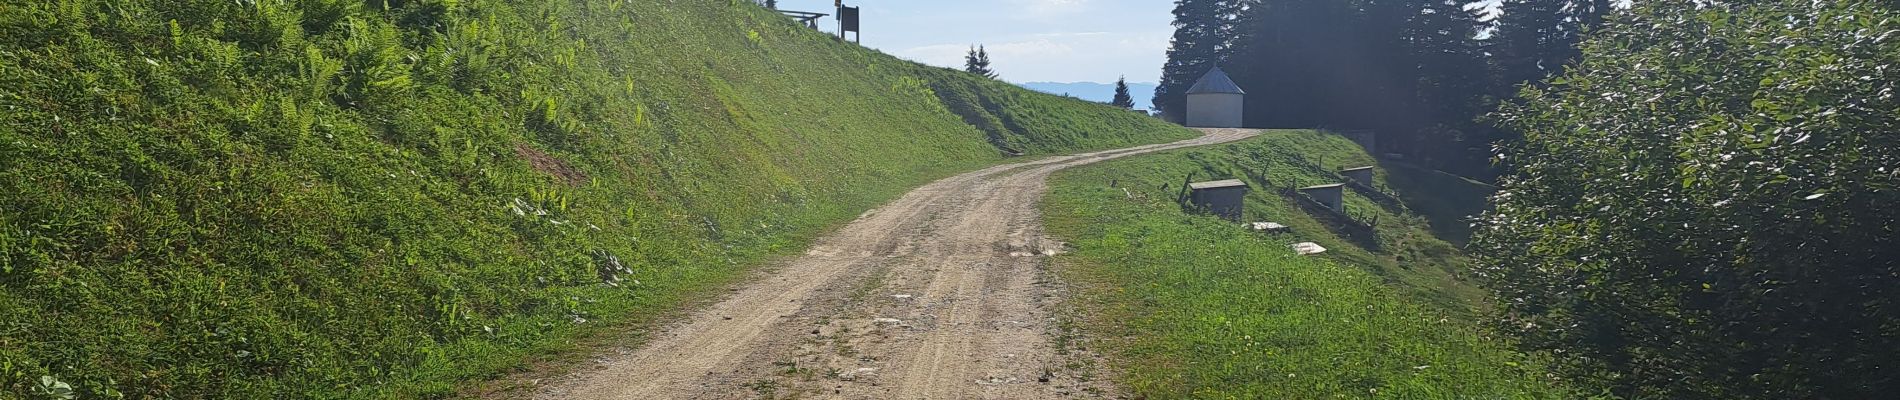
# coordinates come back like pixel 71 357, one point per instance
pixel 1449 59
pixel 978 62
pixel 1203 34
pixel 969 62
pixel 1413 70
pixel 1315 51
pixel 1122 98
pixel 1453 78
pixel 983 60
pixel 1537 38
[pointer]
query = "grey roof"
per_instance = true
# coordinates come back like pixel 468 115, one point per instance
pixel 1355 169
pixel 1217 184
pixel 1215 81
pixel 1335 185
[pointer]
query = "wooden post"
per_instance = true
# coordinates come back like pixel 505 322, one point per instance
pixel 1184 188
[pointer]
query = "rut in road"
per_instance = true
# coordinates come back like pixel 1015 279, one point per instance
pixel 941 294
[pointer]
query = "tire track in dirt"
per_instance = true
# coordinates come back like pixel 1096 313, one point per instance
pixel 941 294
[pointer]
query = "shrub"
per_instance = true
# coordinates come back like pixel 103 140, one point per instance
pixel 1704 207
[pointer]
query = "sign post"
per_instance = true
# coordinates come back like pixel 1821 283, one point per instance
pixel 848 22
pixel 848 16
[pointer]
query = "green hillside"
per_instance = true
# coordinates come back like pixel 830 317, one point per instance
pixel 1192 306
pixel 390 198
pixel 1450 202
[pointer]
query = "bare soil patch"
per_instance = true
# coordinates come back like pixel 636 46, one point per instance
pixel 548 164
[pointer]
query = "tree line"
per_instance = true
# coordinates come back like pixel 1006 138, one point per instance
pixel 1696 196
pixel 1423 73
pixel 977 61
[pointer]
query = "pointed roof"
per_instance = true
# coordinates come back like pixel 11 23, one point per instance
pixel 1215 81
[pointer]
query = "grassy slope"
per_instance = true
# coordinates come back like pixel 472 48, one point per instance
pixel 247 199
pixel 1449 201
pixel 1194 306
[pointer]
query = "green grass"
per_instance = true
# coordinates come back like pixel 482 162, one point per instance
pixel 1192 306
pixel 1408 254
pixel 1449 201
pixel 330 198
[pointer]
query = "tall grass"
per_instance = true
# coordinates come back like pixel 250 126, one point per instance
pixel 345 198
pixel 1192 306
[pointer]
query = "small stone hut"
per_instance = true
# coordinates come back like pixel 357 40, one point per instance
pixel 1223 198
pixel 1362 175
pixel 1332 196
pixel 1215 102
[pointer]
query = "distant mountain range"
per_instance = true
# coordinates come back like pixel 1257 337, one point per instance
pixel 1094 91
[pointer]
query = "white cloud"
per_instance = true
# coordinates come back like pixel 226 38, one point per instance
pixel 1059 56
pixel 1030 40
pixel 1049 7
pixel 1044 47
pixel 1070 34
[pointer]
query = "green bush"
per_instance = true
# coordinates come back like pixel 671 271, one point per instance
pixel 345 198
pixel 1705 207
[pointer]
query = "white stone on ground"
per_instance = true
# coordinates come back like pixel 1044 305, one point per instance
pixel 1308 248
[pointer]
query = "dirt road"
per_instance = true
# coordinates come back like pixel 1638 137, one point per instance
pixel 941 294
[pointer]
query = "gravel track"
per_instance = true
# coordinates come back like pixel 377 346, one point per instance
pixel 941 294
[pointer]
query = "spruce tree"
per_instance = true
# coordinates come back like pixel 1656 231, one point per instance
pixel 1449 59
pixel 978 62
pixel 1590 14
pixel 1413 70
pixel 1122 98
pixel 1537 38
pixel 983 60
pixel 969 62
pixel 1203 32
pixel 1452 82
pixel 1314 52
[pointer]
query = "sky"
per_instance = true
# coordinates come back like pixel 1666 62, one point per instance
pixel 1028 40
